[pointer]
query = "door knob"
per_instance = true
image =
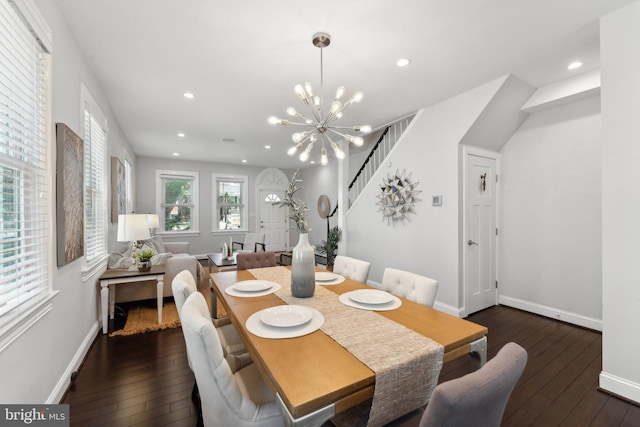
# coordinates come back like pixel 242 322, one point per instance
pixel 471 242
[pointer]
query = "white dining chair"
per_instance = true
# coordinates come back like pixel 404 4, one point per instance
pixel 253 242
pixel 239 399
pixel 234 350
pixel 351 268
pixel 411 286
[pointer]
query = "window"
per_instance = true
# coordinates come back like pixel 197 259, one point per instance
pixel 95 187
pixel 177 193
pixel 25 171
pixel 230 197
pixel 272 198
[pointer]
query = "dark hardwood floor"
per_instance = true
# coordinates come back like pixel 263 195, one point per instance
pixel 144 380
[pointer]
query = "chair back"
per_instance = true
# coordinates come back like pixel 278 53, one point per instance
pixel 183 285
pixel 246 260
pixel 352 268
pixel 477 399
pixel 252 241
pixel 411 286
pixel 223 401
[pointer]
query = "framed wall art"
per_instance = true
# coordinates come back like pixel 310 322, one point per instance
pixel 118 190
pixel 70 194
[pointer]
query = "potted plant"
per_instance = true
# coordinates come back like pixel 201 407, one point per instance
pixel 329 247
pixel 144 259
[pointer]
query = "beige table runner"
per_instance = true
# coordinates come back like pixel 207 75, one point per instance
pixel 406 363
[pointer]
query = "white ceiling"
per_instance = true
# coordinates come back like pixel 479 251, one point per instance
pixel 242 59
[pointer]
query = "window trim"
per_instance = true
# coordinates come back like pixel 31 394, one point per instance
pixel 25 320
pixel 88 103
pixel 195 217
pixel 244 179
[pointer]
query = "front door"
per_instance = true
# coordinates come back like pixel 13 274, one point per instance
pixel 273 220
pixel 480 232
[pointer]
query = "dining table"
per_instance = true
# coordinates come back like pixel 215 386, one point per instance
pixel 316 376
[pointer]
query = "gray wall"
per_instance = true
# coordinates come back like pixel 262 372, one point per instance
pixel 55 345
pixel 551 232
pixel 205 241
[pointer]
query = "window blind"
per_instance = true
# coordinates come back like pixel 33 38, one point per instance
pixel 24 189
pixel 95 191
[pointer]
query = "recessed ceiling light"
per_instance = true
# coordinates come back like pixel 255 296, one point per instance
pixel 403 62
pixel 176 154
pixel 244 160
pixel 181 135
pixel 268 147
pixel 574 65
pixel 313 162
pixel 189 95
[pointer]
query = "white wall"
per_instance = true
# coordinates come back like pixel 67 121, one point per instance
pixel 428 244
pixel 550 237
pixel 620 66
pixel 205 242
pixel 37 366
pixel 318 180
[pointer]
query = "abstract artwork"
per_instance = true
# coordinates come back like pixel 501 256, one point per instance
pixel 397 198
pixel 70 198
pixel 118 191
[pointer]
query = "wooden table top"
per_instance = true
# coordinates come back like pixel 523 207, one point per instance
pixel 122 273
pixel 313 371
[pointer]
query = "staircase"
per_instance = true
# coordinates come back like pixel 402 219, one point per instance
pixel 383 146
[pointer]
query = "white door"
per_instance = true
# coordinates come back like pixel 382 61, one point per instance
pixel 480 233
pixel 273 220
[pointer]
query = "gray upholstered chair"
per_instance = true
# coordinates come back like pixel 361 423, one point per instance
pixel 255 260
pixel 351 268
pixel 477 399
pixel 239 399
pixel 234 350
pixel 253 242
pixel 411 286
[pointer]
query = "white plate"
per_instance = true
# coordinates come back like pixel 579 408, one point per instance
pixel 286 316
pixel 373 296
pixel 256 327
pixel 323 276
pixel 253 285
pixel 231 290
pixel 391 305
pixel 328 278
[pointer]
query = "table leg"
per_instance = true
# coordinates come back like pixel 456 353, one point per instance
pixel 316 418
pixel 112 300
pixel 104 302
pixel 160 291
pixel 479 352
pixel 214 301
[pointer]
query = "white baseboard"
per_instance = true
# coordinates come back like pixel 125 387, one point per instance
pixel 552 312
pixel 620 386
pixel 454 311
pixel 61 387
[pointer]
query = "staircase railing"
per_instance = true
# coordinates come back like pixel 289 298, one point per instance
pixel 376 157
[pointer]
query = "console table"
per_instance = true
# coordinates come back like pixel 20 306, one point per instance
pixel 110 278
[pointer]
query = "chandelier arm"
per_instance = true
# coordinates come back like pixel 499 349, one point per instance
pixel 315 113
pixel 311 125
pixel 333 129
pixel 346 128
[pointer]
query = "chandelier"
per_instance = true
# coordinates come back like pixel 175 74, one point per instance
pixel 322 123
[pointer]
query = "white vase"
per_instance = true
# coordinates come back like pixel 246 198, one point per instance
pixel 303 283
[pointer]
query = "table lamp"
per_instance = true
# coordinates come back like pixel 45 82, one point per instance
pixel 154 223
pixel 133 227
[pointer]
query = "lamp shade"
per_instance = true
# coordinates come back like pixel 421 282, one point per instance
pixel 154 222
pixel 133 227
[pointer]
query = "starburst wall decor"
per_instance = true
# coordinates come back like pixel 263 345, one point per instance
pixel 397 198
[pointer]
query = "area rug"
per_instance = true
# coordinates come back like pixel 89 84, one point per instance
pixel 142 318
